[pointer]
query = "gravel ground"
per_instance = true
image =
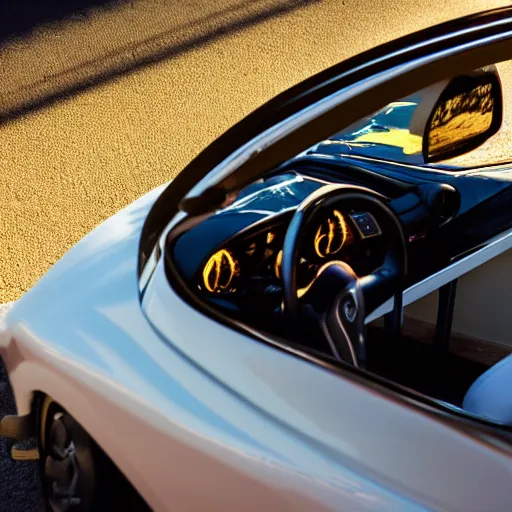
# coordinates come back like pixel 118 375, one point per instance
pixel 67 167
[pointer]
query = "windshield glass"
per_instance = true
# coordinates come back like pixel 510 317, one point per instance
pixel 273 194
pixel 385 134
pixel 390 134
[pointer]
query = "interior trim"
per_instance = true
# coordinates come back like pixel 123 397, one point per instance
pixel 493 248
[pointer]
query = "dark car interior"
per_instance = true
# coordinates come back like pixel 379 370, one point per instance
pixel 312 252
pixel 234 259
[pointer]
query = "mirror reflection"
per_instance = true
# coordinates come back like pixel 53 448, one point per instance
pixel 437 126
pixel 467 113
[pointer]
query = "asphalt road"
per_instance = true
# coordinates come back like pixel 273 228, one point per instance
pixel 68 166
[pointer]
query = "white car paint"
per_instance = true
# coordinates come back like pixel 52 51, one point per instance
pixel 4 308
pixel 80 336
pixel 184 410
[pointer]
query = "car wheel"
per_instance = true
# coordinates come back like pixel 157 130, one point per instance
pixel 76 474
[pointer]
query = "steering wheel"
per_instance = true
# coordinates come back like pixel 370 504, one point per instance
pixel 338 298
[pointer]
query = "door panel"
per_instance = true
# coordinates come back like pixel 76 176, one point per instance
pixel 482 306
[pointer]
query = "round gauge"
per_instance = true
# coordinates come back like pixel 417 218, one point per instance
pixel 220 271
pixel 331 235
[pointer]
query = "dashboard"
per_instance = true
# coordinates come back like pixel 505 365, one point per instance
pixel 234 257
pixel 255 257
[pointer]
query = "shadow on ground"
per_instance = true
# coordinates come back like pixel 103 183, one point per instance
pixel 28 27
pixel 20 17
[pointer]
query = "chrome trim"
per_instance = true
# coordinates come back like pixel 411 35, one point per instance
pixel 292 123
pixel 496 246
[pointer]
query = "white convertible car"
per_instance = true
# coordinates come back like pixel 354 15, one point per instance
pixel 314 315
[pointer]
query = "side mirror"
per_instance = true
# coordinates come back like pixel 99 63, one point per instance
pixel 467 113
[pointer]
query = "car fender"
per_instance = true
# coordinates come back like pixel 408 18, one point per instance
pixel 75 285
pixel 80 336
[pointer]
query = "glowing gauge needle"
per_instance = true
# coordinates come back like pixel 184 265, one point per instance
pixel 219 265
pixel 333 226
pixel 251 249
pixel 277 264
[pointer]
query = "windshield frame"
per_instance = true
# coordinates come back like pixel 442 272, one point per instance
pixel 425 61
pixel 321 119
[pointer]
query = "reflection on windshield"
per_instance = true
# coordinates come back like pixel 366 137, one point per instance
pixel 273 194
pixel 385 134
pixel 409 144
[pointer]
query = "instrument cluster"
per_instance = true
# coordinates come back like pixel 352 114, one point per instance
pixel 244 258
pixel 253 258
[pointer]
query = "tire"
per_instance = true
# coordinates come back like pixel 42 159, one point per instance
pixel 77 476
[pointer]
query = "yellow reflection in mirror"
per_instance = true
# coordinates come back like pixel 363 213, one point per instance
pixel 219 271
pixel 461 118
pixel 329 239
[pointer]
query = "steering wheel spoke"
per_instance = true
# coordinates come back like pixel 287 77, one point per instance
pixel 339 299
pixel 379 286
pixel 338 302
